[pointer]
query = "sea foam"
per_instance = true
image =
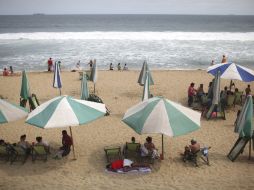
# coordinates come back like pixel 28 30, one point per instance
pixel 146 36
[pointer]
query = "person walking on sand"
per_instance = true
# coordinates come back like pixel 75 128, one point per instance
pixel 224 59
pixel 119 67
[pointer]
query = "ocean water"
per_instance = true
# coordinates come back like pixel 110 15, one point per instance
pixel 164 41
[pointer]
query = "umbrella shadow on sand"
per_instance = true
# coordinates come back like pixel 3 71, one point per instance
pixel 38 167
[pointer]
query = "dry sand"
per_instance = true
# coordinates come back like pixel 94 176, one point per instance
pixel 119 91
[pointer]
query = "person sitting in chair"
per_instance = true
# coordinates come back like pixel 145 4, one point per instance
pixel 149 148
pixel 24 144
pixel 191 150
pixel 43 143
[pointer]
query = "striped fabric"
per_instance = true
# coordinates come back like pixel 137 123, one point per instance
pixel 232 71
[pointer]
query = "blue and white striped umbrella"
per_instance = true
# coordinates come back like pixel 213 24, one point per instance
pixel 10 112
pixel 232 71
pixel 57 82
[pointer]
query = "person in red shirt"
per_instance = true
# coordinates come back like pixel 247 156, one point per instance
pixel 191 93
pixel 66 142
pixel 50 64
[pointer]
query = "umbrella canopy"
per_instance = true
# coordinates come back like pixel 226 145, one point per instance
pixel 10 112
pixel 146 90
pixel 232 71
pixel 244 123
pixel 142 75
pixel 57 82
pixel 84 88
pixel 24 92
pixel 64 111
pixel 159 115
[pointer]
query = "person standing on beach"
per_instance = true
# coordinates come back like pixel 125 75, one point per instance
pixel 90 64
pixel 224 59
pixel 191 93
pixel 111 67
pixel 50 64
pixel 212 63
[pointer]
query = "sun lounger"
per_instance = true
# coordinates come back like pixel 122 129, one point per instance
pixel 38 151
pixel 113 153
pixel 201 154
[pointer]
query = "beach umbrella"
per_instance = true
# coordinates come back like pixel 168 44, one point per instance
pixel 57 82
pixel 142 75
pixel 244 123
pixel 24 92
pixel 146 90
pixel 232 71
pixel 216 89
pixel 65 111
pixel 93 76
pixel 84 88
pixel 162 116
pixel 215 94
pixel 11 112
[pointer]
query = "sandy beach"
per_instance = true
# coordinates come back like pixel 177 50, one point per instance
pixel 120 91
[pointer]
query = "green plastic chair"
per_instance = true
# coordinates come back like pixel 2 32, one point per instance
pixel 18 154
pixel 113 153
pixel 230 100
pixel 4 153
pixel 238 98
pixel 39 151
pixel 132 150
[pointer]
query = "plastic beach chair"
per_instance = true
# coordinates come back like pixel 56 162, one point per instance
pixel 18 154
pixel 132 150
pixel 113 153
pixel 38 151
pixel 33 102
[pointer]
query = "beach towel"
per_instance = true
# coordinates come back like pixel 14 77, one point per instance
pixel 138 170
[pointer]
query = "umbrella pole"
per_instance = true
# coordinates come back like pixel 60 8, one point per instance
pixel 73 150
pixel 94 88
pixel 60 91
pixel 162 145
pixel 230 85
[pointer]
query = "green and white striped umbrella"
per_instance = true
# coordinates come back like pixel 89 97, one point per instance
pixel 24 92
pixel 11 112
pixel 162 116
pixel 84 88
pixel 64 111
pixel 244 123
pixel 142 75
pixel 146 89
